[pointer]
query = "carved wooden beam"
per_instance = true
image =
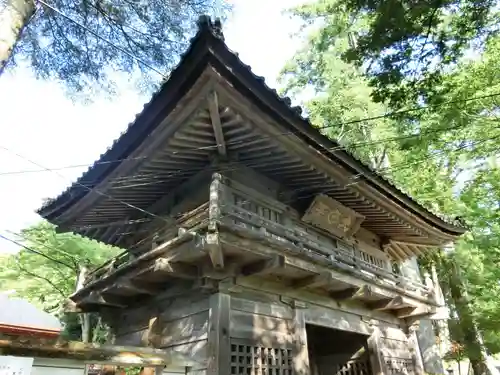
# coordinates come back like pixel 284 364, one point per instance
pixel 165 266
pixel 97 299
pixel 231 269
pixel 96 353
pixel 135 286
pixel 265 266
pixel 213 108
pixel 388 304
pixel 324 279
pixel 363 292
pixel 414 312
pixel 208 284
pixel 214 249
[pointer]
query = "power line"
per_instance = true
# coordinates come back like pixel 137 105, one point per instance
pixel 82 185
pixel 338 148
pixel 382 116
pixel 129 54
pixel 392 168
pixel 36 252
pixel 156 232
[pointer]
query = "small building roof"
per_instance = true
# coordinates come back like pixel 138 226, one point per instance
pixel 18 316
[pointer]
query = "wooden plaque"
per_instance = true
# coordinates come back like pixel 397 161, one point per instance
pixel 328 214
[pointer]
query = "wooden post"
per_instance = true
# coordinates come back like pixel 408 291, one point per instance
pixel 214 215
pixel 374 350
pixel 219 346
pixel 301 352
pixel 415 349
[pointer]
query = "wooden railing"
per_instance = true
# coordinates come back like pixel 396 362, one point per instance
pixel 159 234
pixel 269 219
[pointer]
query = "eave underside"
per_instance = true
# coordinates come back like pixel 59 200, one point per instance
pixel 204 130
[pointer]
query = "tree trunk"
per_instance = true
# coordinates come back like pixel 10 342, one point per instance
pixel 472 341
pixel 14 16
pixel 479 367
pixel 85 323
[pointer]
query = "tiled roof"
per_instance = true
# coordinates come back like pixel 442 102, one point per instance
pixel 208 43
pixel 19 313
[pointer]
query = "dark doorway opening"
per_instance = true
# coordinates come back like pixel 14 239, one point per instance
pixel 336 352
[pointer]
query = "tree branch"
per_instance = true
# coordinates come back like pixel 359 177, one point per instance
pixel 63 294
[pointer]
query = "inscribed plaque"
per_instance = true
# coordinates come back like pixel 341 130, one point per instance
pixel 328 214
pixel 15 365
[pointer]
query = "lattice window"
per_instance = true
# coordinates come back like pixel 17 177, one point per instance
pixel 259 210
pixel 262 211
pixel 257 360
pixel 400 366
pixel 370 259
pixel 359 366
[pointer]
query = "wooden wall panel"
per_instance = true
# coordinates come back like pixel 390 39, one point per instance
pixel 180 331
pixel 396 353
pixel 171 308
pixel 267 324
pixel 261 329
pixel 336 319
pixel 177 323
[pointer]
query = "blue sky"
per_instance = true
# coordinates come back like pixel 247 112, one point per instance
pixel 40 123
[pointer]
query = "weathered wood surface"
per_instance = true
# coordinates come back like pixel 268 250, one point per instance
pixel 176 301
pixel 330 215
pixel 180 321
pixel 251 237
pixel 275 293
pixel 261 329
pixel 112 354
pixel 325 317
pixel 219 345
pixel 301 352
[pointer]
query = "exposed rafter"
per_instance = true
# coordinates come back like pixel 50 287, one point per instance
pixel 213 107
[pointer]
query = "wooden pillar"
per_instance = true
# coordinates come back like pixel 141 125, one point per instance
pixel 219 346
pixel 415 349
pixel 301 357
pixel 374 350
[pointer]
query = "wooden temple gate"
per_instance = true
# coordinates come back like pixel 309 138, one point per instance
pixel 253 243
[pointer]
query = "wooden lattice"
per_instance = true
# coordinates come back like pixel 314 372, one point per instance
pixel 400 366
pixel 360 366
pixel 257 360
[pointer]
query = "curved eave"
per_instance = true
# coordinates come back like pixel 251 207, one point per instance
pixel 279 108
pixel 161 103
pixel 208 49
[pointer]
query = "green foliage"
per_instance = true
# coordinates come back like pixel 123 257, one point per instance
pixel 47 277
pixel 155 32
pixel 445 154
pixel 406 48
